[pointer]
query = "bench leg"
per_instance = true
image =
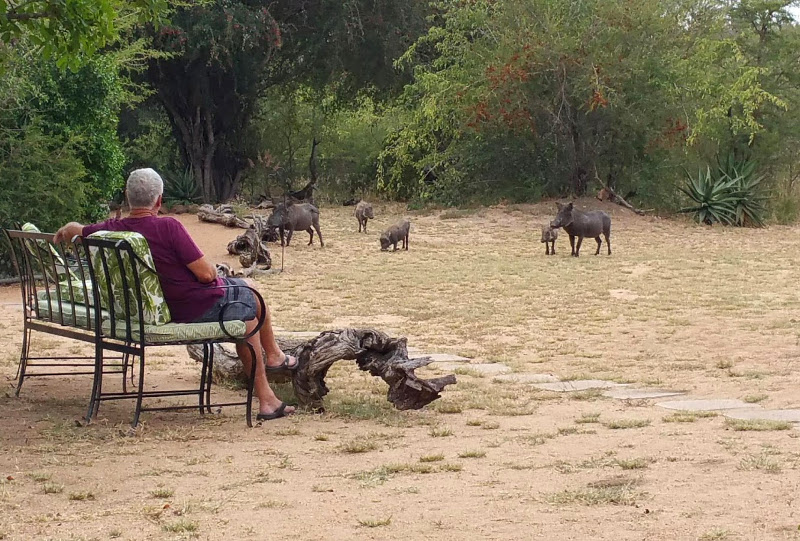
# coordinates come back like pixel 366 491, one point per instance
pixel 209 376
pixel 94 400
pixel 203 379
pixel 251 383
pixel 23 358
pixel 140 391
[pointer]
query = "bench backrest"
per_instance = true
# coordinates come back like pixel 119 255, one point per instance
pixel 54 285
pixel 123 273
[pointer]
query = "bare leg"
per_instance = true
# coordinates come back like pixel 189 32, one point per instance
pixel 599 243
pixel 608 243
pixel 310 236
pixel 546 248
pixel 572 243
pixel 578 247
pixel 264 341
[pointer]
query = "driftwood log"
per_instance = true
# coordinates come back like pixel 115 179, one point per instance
pixel 607 193
pixel 221 215
pixel 373 351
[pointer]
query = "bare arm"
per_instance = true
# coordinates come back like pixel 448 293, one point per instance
pixel 203 270
pixel 68 232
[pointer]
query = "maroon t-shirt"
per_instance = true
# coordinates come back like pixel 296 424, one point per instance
pixel 172 250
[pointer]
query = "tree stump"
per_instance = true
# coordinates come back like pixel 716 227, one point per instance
pixel 373 351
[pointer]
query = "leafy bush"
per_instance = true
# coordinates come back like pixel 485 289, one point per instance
pixel 731 194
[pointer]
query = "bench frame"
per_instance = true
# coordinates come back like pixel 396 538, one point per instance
pixel 38 262
pixel 49 304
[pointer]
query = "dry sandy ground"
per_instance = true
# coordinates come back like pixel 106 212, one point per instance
pixel 711 311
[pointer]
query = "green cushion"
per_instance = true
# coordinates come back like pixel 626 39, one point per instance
pixel 65 276
pixel 43 311
pixel 156 311
pixel 178 332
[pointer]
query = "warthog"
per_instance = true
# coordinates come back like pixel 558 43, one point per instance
pixel 363 212
pixel 583 224
pixel 549 236
pixel 395 234
pixel 295 217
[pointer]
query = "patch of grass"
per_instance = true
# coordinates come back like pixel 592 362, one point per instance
pixel 472 454
pixel 759 462
pixel 271 504
pixel 715 535
pixel 181 526
pixel 40 477
pixel 567 430
pixel 431 458
pixel 755 398
pixel 53 488
pixel 360 445
pixel 624 424
pixel 321 437
pixel 493 425
pixel 452 467
pixel 474 422
pixel 81 496
pixel 162 493
pixel 688 416
pixel 448 407
pixel 440 432
pixel 724 364
pixel 115 533
pixel 588 394
pixel 588 418
pixel 287 432
pixel 375 522
pixel 633 463
pixel 320 488
pixel 597 494
pixel 757 425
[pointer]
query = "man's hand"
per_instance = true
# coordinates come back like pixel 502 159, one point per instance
pixel 68 232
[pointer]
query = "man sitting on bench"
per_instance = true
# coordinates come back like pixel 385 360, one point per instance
pixel 191 286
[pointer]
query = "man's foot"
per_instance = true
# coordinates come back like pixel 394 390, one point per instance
pixel 281 411
pixel 289 363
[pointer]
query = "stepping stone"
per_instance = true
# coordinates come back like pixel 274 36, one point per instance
pixel 579 385
pixel 527 378
pixel 641 394
pixel 707 405
pixel 792 416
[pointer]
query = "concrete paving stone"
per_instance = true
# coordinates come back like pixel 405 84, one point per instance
pixel 527 378
pixel 707 405
pixel 792 415
pixel 641 394
pixel 579 385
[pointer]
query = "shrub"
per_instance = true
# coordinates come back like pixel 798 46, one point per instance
pixel 731 194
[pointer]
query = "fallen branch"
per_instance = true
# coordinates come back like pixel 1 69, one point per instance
pixel 221 215
pixel 373 351
pixel 607 193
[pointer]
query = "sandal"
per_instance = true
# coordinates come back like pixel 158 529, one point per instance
pixel 284 365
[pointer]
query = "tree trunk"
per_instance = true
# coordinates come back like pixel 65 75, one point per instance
pixel 372 350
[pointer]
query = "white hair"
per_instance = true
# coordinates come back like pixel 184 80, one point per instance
pixel 143 188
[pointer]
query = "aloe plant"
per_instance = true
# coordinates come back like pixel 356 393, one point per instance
pixel 730 195
pixel 181 188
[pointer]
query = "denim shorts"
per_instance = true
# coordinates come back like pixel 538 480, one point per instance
pixel 238 303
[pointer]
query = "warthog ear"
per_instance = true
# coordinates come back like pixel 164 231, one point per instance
pixel 570 206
